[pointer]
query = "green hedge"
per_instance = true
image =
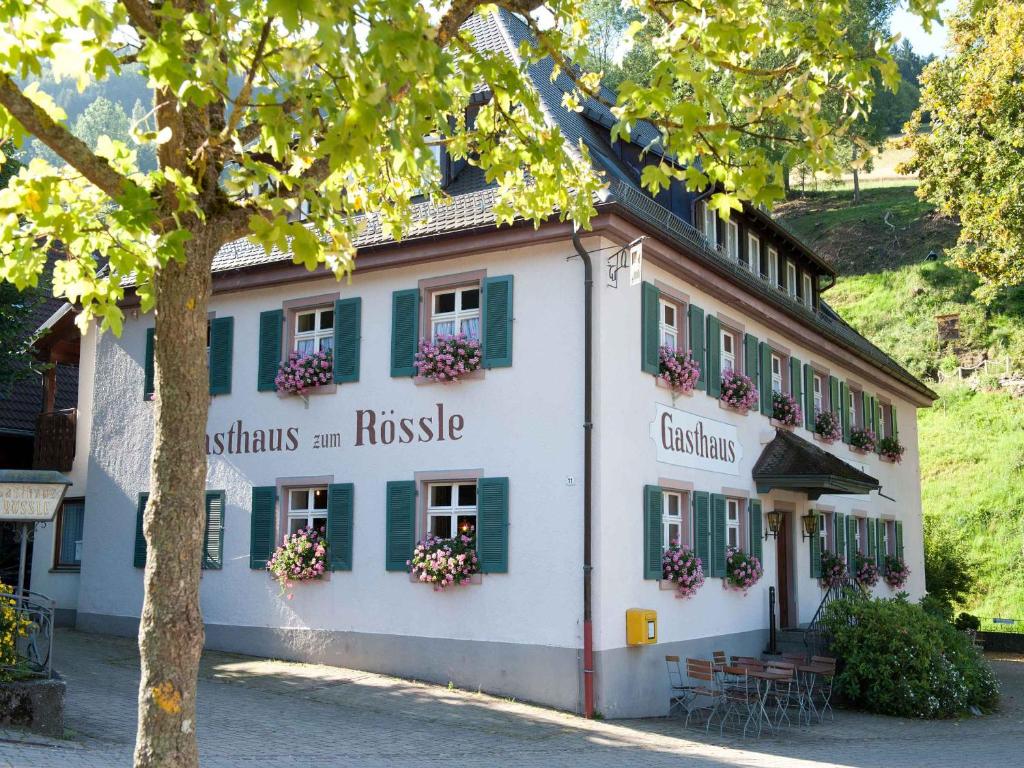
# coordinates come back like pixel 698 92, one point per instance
pixel 896 659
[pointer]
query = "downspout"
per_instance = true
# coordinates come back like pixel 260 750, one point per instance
pixel 588 430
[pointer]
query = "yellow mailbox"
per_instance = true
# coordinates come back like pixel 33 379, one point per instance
pixel 641 626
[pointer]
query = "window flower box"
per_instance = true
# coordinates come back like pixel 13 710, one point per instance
pixel 302 373
pixel 833 569
pixel 828 427
pixel 891 449
pixel 742 570
pixel 683 569
pixel 302 556
pixel 444 562
pixel 786 411
pixel 448 358
pixel 896 572
pixel 678 369
pixel 738 391
pixel 863 440
pixel 867 572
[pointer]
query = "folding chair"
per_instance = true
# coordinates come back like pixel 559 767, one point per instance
pixel 678 689
pixel 739 700
pixel 823 685
pixel 706 694
pixel 785 693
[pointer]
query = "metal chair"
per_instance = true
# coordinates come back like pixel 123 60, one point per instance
pixel 705 694
pixel 740 700
pixel 678 689
pixel 785 694
pixel 823 685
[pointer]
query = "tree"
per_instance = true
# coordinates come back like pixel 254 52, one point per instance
pixel 261 106
pixel 970 162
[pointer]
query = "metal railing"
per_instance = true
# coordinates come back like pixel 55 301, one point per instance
pixel 55 440
pixel 816 636
pixel 31 615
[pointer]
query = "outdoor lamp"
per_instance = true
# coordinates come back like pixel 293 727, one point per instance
pixel 774 523
pixel 810 525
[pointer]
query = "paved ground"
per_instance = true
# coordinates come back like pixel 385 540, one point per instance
pixel 258 712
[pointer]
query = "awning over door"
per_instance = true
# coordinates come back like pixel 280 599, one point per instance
pixel 791 463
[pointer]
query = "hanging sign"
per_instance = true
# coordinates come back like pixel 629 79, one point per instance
pixel 688 440
pixel 636 262
pixel 26 501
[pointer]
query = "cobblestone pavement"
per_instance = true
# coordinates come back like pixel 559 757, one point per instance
pixel 253 711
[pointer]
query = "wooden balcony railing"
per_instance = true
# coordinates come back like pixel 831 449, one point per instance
pixel 55 440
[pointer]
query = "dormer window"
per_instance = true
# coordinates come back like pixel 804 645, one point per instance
pixel 706 221
pixel 754 254
pixel 732 239
pixel 773 266
pixel 791 278
pixel 808 290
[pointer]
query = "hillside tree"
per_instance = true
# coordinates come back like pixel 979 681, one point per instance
pixel 259 106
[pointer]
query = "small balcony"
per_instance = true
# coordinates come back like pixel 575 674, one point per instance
pixel 55 440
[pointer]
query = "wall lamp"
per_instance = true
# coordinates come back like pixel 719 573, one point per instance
pixel 774 524
pixel 809 524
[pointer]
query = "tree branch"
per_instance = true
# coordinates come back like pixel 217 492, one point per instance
pixel 73 150
pixel 142 16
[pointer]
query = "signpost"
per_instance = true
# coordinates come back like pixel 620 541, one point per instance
pixel 27 497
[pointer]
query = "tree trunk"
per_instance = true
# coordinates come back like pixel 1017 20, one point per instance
pixel 856 187
pixel 171 629
pixel 786 185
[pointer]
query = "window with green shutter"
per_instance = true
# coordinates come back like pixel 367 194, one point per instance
pixel 815 554
pixel 796 380
pixel 765 373
pixel 844 411
pixel 348 315
pixel 271 328
pixel 139 552
pixel 872 548
pixel 261 525
pixel 695 323
pixel 400 524
pixel 149 367
pixel 713 341
pixel 340 499
pixel 756 537
pixel 899 539
pixel 880 547
pixel 852 534
pixel 221 343
pixel 839 535
pixel 718 535
pixel 496 337
pixel 213 533
pixel 492 524
pixel 834 395
pixel 809 406
pixel 702 528
pixel 650 307
pixel 750 357
pixel 652 531
pixel 405 311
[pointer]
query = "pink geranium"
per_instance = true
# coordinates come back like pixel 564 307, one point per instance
pixel 304 371
pixel 302 556
pixel 828 427
pixel 742 570
pixel 448 358
pixel 738 391
pixel 678 369
pixel 445 562
pixel 786 409
pixel 681 566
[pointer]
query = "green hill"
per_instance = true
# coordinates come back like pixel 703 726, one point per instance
pixel 972 439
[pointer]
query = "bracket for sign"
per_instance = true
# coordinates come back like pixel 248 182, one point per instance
pixel 630 257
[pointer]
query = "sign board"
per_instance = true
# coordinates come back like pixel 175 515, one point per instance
pixel 30 502
pixel 636 262
pixel 688 440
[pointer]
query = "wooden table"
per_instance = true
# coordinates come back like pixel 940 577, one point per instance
pixel 762 688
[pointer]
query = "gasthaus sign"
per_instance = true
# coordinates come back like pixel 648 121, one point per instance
pixel 688 440
pixel 29 502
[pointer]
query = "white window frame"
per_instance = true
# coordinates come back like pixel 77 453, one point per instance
pixel 777 375
pixel 459 315
pixel 753 253
pixel 851 407
pixel 668 520
pixel 309 513
pixel 734 523
pixel 707 222
pixel 886 538
pixel 318 335
pixel 452 511
pixel 727 356
pixel 668 330
pixel 858 538
pixel 818 384
pixel 823 529
pixel 791 277
pixel 883 420
pixel 732 239
pixel 773 266
pixel 808 290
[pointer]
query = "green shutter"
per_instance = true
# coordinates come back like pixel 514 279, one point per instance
pixel 348 316
pixel 339 524
pixel 865 410
pixel 816 554
pixel 400 523
pixel 796 380
pixel 139 555
pixel 496 327
pixel 876 417
pixel 851 541
pixel 756 542
pixel 405 324
pixel 492 524
pixel 844 412
pixel 899 539
pixel 271 326
pixel 222 332
pixel 702 529
pixel 809 397
pixel 895 426
pixel 213 534
pixel 833 394
pixel 839 534
pixel 649 336
pixel 148 386
pixel 718 535
pixel 766 380
pixel 695 317
pixel 653 546
pixel 714 356
pixel 750 351
pixel 879 542
pixel 872 540
pixel 261 525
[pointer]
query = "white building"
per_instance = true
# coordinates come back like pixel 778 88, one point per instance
pixel 385 457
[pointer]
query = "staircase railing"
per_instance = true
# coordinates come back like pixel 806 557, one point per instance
pixel 816 635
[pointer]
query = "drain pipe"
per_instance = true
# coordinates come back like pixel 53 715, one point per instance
pixel 588 431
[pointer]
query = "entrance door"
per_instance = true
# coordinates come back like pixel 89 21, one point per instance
pixel 782 548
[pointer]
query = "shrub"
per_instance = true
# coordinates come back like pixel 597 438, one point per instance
pixel 444 562
pixel 682 567
pixel 786 409
pixel 742 570
pixel 828 427
pixel 13 626
pixel 898 660
pixel 738 391
pixel 864 439
pixel 304 371
pixel 448 358
pixel 891 448
pixel 302 556
pixel 940 609
pixel 833 568
pixel 967 622
pixel 678 369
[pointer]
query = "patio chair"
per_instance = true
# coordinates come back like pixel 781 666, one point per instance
pixel 678 689
pixel 706 692
pixel 823 685
pixel 796 658
pixel 785 694
pixel 740 703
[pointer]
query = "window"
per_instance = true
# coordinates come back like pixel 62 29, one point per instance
pixel 307 508
pixel 851 406
pixel 808 290
pixel 451 507
pixel 754 254
pixel 819 393
pixel 669 325
pixel 314 331
pixel 773 266
pixel 791 278
pixel 732 523
pixel 732 239
pixel 672 518
pixel 455 310
pixel 888 537
pixel 707 222
pixel 70 524
pixel 883 420
pixel 859 537
pixel 776 374
pixel 728 352
pixel 824 526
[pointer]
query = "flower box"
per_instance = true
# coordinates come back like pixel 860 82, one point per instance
pixel 827 427
pixel 866 573
pixel 678 369
pixel 890 449
pixel 738 391
pixel 833 569
pixel 742 570
pixel 302 373
pixel 302 556
pixel 445 562
pixel 896 572
pixel 863 441
pixel 448 359
pixel 786 410
pixel 681 568
pixel 781 425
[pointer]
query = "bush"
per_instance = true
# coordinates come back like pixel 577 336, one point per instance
pixel 948 572
pixel 898 660
pixel 966 622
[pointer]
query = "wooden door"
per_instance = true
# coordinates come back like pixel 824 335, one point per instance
pixel 782 548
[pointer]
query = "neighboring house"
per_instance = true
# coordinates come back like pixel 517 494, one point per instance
pixel 382 458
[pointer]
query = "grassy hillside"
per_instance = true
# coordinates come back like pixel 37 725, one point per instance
pixel 971 440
